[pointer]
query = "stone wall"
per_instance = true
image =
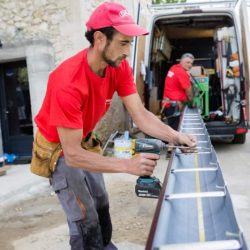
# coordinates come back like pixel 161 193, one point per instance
pixel 58 22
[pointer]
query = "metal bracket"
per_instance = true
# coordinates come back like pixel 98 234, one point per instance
pixel 209 245
pixel 195 195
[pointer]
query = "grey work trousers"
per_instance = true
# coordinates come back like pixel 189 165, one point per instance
pixel 84 199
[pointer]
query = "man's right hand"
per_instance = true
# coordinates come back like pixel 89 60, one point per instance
pixel 142 164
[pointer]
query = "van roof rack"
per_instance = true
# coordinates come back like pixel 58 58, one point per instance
pixel 195 4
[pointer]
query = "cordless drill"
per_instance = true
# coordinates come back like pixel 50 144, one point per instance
pixel 147 186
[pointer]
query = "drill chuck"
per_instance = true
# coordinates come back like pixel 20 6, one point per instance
pixel 148 146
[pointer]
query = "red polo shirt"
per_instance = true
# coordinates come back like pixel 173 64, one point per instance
pixel 78 98
pixel 176 82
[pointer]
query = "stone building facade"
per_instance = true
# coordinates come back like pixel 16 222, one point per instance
pixel 42 33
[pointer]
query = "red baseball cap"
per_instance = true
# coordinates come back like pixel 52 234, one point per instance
pixel 114 15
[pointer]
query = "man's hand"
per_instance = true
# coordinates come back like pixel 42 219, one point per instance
pixel 193 106
pixel 189 141
pixel 142 164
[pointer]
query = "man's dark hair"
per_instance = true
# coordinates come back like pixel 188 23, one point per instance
pixel 107 31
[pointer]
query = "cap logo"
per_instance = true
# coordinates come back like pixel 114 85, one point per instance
pixel 124 13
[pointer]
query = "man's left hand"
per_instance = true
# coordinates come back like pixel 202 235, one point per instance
pixel 189 141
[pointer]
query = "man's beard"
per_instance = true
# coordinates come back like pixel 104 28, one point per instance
pixel 110 62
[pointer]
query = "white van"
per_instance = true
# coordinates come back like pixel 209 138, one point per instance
pixel 216 33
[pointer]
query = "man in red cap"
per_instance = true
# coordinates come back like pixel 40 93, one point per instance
pixel 78 95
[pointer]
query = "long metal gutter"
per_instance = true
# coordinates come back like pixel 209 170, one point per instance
pixel 195 210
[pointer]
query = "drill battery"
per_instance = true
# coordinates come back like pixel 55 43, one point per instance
pixel 148 187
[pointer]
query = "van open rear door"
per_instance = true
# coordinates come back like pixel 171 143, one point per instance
pixel 242 8
pixel 179 21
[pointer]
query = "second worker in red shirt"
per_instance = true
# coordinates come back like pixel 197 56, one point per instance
pixel 177 89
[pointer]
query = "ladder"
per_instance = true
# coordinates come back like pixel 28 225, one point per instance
pixel 195 210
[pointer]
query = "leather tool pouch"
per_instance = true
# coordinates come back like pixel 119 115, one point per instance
pixel 45 154
pixel 92 144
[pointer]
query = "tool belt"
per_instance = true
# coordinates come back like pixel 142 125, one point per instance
pixel 167 103
pixel 45 154
pixel 171 108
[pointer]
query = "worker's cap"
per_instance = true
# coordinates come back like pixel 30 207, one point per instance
pixel 114 15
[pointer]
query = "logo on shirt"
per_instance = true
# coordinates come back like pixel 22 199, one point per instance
pixel 170 74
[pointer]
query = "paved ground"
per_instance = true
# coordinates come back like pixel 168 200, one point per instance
pixel 31 218
pixel 235 164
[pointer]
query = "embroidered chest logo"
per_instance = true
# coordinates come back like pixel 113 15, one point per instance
pixel 108 102
pixel 170 74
